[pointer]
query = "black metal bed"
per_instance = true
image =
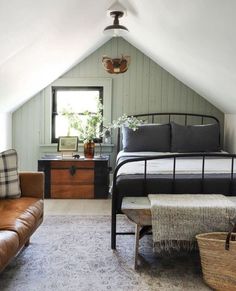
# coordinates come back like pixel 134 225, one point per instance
pixel 231 188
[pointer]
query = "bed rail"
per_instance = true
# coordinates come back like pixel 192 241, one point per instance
pixel 170 117
pixel 175 157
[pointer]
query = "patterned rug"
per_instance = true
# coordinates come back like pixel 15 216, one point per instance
pixel 73 253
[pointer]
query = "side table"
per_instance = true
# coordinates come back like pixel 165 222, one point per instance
pixel 76 178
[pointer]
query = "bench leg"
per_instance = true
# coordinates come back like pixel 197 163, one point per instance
pixel 137 231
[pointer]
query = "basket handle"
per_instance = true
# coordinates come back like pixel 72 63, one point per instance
pixel 230 237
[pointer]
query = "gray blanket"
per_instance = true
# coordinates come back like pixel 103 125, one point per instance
pixel 177 219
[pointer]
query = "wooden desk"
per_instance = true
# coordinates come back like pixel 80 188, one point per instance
pixel 72 178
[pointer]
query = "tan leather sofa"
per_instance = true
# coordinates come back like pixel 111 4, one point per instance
pixel 20 217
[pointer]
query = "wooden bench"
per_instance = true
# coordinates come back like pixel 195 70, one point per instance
pixel 138 210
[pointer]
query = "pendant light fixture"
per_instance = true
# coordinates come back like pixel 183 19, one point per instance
pixel 116 29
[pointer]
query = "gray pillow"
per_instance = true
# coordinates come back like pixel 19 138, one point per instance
pixel 147 138
pixel 195 138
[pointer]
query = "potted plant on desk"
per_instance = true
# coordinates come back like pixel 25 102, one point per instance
pixel 88 126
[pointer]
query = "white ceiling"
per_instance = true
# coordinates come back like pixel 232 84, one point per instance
pixel 195 40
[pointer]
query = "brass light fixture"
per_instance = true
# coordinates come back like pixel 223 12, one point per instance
pixel 116 29
pixel 117 65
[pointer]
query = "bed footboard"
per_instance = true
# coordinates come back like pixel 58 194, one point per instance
pixel 226 179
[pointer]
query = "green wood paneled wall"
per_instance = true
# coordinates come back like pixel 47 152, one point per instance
pixel 145 87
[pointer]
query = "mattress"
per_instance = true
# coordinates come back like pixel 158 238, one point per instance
pixel 188 179
pixel 186 165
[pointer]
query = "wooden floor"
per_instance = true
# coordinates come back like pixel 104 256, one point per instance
pixel 77 206
pixel 81 206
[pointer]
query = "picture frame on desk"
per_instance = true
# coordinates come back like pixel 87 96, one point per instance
pixel 67 144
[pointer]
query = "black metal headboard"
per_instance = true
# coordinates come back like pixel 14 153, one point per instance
pixel 172 116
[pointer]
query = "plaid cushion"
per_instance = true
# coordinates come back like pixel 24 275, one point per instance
pixel 9 178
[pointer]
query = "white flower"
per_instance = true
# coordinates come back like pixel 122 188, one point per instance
pixel 89 124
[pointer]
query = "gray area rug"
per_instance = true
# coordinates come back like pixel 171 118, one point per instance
pixel 73 253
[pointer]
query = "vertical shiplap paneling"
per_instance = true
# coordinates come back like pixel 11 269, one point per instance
pixel 26 129
pixel 183 100
pixel 17 134
pixel 145 87
pixel 41 118
pixel 138 82
pixel 145 84
pixel 164 93
pixel 22 145
pixel 132 80
pixel 126 105
pixel 170 93
pixel 157 92
pixel 177 99
pixel 99 55
pixel 152 87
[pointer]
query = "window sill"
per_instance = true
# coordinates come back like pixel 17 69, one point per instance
pixel 51 149
pixel 80 145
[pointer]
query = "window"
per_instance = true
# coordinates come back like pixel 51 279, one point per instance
pixel 75 100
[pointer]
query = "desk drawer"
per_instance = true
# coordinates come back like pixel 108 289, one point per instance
pixel 64 176
pixel 72 191
pixel 67 164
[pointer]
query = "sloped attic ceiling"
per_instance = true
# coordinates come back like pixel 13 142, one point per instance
pixel 195 40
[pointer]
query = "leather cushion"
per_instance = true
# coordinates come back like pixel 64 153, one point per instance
pixel 20 215
pixel 32 184
pixel 9 244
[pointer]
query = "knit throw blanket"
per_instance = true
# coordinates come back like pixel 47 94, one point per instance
pixel 177 219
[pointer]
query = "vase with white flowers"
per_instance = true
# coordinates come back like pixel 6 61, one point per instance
pixel 87 125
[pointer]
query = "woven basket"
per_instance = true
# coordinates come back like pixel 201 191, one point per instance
pixel 218 259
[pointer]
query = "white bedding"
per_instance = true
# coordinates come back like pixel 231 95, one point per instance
pixel 183 165
pixel 144 154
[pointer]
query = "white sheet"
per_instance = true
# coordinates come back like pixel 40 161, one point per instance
pixel 145 154
pixel 140 154
pixel 183 165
